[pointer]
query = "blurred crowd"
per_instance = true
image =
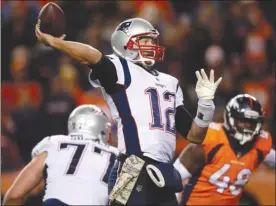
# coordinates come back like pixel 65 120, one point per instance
pixel 41 86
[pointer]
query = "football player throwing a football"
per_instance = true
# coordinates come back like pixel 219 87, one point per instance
pixel 148 108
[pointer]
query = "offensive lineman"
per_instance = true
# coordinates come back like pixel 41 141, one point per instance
pixel 77 165
pixel 219 168
pixel 147 106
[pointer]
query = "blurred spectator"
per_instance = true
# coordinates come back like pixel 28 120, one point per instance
pixel 8 125
pixel 215 59
pixel 237 67
pixel 55 108
pixel 10 156
pixel 126 9
pixel 259 42
pixel 24 98
pixel 20 91
pixel 206 13
pixel 17 29
pixel 91 35
pixel 157 12
pixel 19 126
pixel 235 29
pixel 260 85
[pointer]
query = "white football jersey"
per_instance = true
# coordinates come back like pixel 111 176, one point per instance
pixel 144 112
pixel 76 169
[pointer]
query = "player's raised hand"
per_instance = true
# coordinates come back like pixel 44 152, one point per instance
pixel 206 88
pixel 46 39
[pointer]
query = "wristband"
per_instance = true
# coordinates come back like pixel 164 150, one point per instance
pixel 182 169
pixel 205 113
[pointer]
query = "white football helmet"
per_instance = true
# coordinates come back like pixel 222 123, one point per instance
pixel 91 122
pixel 125 42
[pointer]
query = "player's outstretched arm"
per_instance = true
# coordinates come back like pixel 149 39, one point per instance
pixel 205 90
pixel 84 53
pixel 27 180
pixel 190 161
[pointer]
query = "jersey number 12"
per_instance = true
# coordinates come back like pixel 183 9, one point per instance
pixel 156 110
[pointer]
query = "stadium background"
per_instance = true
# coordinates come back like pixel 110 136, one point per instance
pixel 40 86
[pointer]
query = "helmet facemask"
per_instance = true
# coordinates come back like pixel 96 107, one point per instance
pixel 238 125
pixel 145 54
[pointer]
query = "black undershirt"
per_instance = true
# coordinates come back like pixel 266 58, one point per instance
pixel 105 72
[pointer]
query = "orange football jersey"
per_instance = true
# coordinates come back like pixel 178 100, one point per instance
pixel 222 179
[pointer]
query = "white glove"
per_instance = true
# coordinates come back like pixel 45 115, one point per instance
pixel 205 88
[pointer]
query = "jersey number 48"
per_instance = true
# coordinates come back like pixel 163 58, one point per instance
pixel 236 188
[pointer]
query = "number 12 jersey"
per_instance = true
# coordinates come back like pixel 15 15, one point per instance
pixel 144 110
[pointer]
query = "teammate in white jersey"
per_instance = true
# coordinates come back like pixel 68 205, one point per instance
pixel 147 106
pixel 76 165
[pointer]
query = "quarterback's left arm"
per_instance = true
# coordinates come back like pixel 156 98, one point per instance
pixel 269 159
pixel 28 179
pixel 205 90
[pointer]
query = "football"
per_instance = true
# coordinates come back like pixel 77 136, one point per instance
pixel 51 20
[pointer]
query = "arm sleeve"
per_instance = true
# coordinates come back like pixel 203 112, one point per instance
pixel 183 119
pixel 181 169
pixel 107 73
pixel 43 146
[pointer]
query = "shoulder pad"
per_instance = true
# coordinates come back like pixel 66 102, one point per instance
pixel 264 142
pixel 46 143
pixel 41 147
pixel 264 134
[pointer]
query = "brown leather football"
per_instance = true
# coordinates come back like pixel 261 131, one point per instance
pixel 51 20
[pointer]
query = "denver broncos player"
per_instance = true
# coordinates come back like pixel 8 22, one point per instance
pixel 219 168
pixel 147 106
pixel 76 165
